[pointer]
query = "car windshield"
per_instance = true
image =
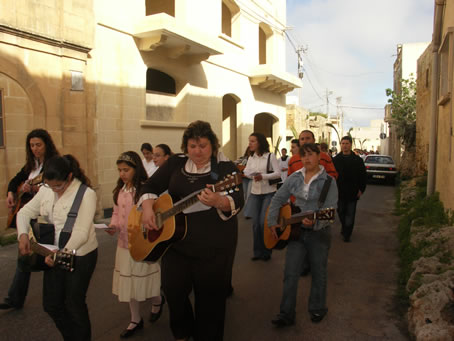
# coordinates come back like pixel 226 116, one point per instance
pixel 385 160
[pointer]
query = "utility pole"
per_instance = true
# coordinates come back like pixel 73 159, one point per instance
pixel 328 93
pixel 340 115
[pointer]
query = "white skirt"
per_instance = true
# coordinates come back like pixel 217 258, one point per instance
pixel 135 280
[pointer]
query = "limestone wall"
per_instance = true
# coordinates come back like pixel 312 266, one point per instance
pixel 423 110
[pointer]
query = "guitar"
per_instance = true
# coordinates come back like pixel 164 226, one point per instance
pixel 285 231
pixel 150 245
pixel 63 259
pixel 13 211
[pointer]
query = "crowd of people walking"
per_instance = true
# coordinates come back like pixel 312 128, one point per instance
pixel 191 226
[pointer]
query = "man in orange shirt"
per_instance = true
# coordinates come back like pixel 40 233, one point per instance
pixel 295 163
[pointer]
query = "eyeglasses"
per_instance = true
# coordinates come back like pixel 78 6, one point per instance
pixel 55 188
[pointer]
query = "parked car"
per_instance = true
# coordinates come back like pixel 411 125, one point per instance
pixel 381 167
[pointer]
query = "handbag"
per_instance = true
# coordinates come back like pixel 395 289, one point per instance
pixel 45 234
pixel 270 170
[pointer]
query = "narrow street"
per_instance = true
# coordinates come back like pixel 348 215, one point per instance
pixel 361 285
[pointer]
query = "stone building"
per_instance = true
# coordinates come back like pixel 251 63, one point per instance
pixel 299 118
pixel 368 138
pixel 438 75
pixel 404 68
pixel 423 97
pixel 104 76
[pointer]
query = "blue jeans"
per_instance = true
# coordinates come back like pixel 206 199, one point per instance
pixel 18 289
pixel 314 244
pixel 347 211
pixel 257 206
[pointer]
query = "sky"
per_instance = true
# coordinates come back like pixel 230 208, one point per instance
pixel 350 48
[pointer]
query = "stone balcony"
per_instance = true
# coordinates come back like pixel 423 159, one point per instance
pixel 162 31
pixel 271 79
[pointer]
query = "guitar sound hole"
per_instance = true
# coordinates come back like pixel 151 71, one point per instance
pixel 153 235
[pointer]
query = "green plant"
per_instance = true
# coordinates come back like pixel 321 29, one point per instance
pixel 403 111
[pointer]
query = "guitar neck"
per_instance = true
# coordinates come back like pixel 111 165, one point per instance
pixel 39 249
pixel 181 205
pixel 297 219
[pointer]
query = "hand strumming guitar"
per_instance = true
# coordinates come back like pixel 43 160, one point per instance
pixel 148 216
pixel 24 244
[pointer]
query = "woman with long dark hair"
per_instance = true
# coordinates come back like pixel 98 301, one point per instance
pixel 39 148
pixel 259 164
pixel 64 292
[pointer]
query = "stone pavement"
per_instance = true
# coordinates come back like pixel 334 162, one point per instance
pixel 361 285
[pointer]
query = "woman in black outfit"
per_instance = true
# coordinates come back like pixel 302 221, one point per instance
pixel 39 148
pixel 201 262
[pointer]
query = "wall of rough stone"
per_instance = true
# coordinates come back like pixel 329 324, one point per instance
pixel 423 112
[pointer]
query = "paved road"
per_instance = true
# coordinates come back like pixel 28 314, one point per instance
pixel 361 285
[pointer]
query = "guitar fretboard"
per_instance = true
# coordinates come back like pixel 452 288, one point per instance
pixel 181 206
pixel 41 250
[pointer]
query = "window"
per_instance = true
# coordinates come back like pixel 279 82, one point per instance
pixel 2 131
pixel 230 19
pixel 160 6
pixel 445 54
pixel 262 46
pixel 226 20
pixel 160 82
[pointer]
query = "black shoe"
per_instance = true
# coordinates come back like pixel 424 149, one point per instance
pixel 280 322
pixel 6 305
pixel 305 272
pixel 266 258
pixel 256 258
pixel 130 332
pixel 347 240
pixel 316 318
pixel 155 316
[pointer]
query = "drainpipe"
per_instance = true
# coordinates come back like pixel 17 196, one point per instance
pixel 436 39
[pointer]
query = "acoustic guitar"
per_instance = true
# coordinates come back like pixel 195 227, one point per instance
pixel 63 259
pixel 285 231
pixel 150 245
pixel 19 202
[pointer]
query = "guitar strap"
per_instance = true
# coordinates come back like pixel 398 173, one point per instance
pixel 214 169
pixel 71 218
pixel 324 191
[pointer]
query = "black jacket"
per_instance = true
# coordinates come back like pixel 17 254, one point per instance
pixel 352 175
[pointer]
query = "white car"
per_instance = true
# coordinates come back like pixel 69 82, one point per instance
pixel 380 167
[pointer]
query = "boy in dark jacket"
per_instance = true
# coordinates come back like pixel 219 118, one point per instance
pixel 351 184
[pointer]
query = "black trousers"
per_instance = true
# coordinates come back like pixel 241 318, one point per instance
pixel 64 295
pixel 208 274
pixel 346 209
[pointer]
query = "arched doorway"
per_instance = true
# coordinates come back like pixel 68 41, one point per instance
pixel 268 125
pixel 229 125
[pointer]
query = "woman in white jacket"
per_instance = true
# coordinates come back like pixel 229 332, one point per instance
pixel 64 292
pixel 261 167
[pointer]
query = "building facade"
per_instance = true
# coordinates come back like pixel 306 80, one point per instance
pixel 105 76
pixel 404 68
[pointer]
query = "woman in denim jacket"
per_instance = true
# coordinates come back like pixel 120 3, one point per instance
pixel 314 240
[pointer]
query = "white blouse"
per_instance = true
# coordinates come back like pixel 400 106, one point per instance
pixel 55 210
pixel 150 167
pixel 257 164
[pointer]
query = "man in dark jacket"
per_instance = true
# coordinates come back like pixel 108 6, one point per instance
pixel 351 184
